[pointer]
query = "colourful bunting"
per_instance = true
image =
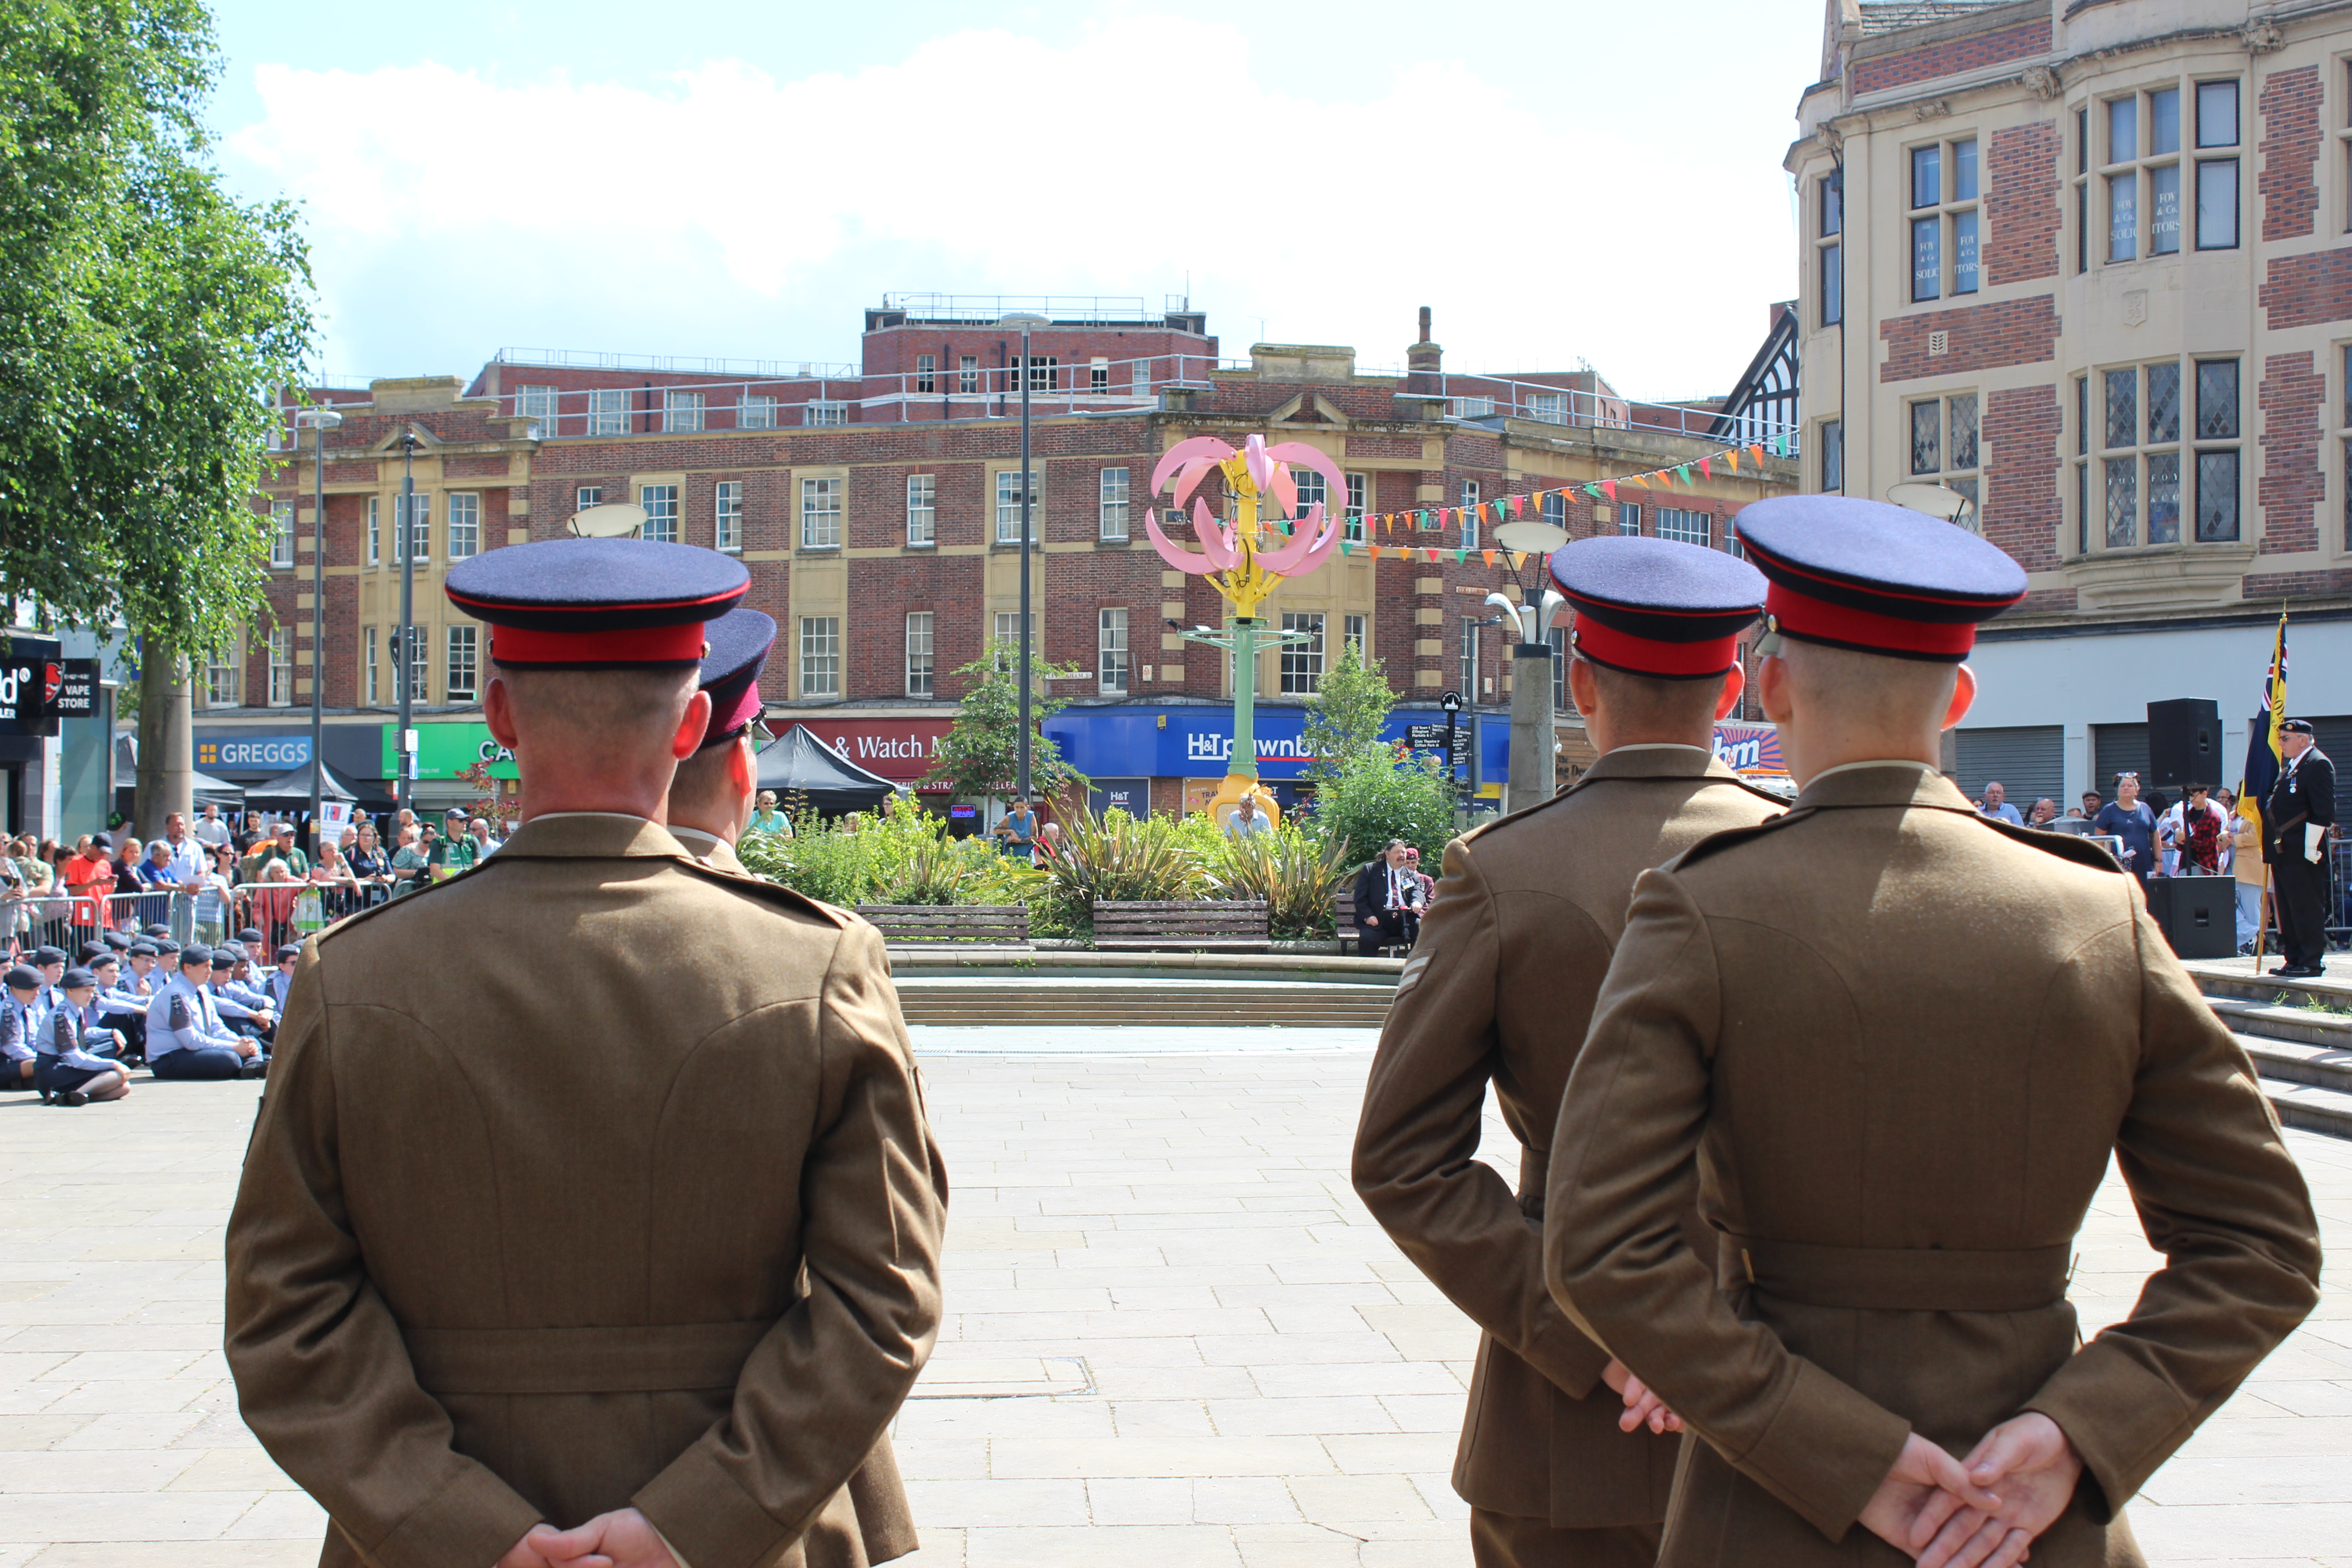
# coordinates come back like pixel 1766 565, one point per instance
pixel 1684 469
pixel 1703 470
pixel 1488 555
pixel 1518 559
pixel 1610 488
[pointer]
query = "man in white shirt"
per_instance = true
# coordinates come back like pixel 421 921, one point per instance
pixel 210 830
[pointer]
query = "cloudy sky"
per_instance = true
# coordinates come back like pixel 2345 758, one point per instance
pixel 1557 179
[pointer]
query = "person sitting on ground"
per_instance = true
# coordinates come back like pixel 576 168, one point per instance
pixel 77 1060
pixel 185 1036
pixel 111 1008
pixel 20 1030
pixel 281 978
pixel 245 1009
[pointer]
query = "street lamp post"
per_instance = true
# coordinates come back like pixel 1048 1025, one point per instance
pixel 1026 321
pixel 321 420
pixel 404 671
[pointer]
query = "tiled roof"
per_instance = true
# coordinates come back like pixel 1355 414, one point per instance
pixel 1892 15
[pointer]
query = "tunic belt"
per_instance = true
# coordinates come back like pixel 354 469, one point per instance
pixel 1894 1279
pixel 653 1358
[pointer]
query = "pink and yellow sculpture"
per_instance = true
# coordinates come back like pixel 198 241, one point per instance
pixel 1245 560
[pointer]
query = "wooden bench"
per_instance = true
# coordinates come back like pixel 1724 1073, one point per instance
pixel 1206 925
pixel 1343 916
pixel 994 925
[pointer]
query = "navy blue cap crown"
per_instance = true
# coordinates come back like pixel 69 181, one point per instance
pixel 597 604
pixel 1877 577
pixel 1657 607
pixel 740 643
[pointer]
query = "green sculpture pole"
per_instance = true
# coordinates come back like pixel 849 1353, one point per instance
pixel 1243 763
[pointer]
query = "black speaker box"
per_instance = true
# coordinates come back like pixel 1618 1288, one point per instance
pixel 2184 742
pixel 2199 915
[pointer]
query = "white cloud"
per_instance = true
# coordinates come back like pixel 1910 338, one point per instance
pixel 730 210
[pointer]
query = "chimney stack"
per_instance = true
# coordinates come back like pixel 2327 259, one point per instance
pixel 1423 359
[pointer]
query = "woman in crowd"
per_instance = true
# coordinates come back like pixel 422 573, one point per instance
pixel 409 865
pixel 368 865
pixel 2129 818
pixel 216 898
pixel 339 890
pixel 766 818
pixel 272 907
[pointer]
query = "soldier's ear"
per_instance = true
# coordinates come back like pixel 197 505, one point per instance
pixel 1964 696
pixel 1732 685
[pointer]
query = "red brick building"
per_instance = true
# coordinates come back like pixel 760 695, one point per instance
pixel 876 507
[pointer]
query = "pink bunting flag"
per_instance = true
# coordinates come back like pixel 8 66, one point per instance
pixel 1610 487
pixel 1705 472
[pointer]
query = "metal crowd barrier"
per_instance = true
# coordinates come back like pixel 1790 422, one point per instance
pixel 66 921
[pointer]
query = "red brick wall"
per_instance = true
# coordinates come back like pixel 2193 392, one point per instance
pixel 2297 585
pixel 2021 511
pixel 2288 495
pixel 1391 446
pixel 2289 183
pixel 1952 55
pixel 2022 204
pixel 1983 337
pixel 2306 291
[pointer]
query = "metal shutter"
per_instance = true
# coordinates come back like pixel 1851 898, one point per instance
pixel 2029 761
pixel 2118 749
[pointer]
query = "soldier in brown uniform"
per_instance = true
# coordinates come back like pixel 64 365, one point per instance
pixel 1500 990
pixel 593 1187
pixel 1892 1043
pixel 710 798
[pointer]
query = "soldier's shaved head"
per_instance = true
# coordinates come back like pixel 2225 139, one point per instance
pixel 621 708
pixel 1868 689
pixel 1650 702
pixel 712 791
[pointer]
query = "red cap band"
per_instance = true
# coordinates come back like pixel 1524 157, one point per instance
pixel 1800 614
pixel 1647 655
pixel 642 645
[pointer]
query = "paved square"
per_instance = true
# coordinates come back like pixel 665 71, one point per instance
pixel 1173 1336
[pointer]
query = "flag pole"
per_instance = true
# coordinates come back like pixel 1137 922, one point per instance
pixel 2261 917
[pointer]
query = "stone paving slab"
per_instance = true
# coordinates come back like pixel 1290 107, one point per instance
pixel 1173 1336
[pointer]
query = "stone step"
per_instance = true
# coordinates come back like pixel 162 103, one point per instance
pixel 2298 1033
pixel 2291 1061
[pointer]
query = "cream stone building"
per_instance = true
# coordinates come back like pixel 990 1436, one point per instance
pixel 2084 263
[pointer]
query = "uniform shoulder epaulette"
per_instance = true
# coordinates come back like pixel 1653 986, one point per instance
pixel 775 893
pixel 2065 846
pixel 1732 837
pixel 1780 800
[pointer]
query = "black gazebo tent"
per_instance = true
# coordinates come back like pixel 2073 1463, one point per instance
pixel 798 763
pixel 290 791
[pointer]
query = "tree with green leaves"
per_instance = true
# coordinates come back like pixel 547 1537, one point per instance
pixel 146 321
pixel 1346 714
pixel 981 753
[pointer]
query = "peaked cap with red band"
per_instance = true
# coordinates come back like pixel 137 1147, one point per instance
pixel 739 641
pixel 597 604
pixel 1656 606
pixel 1874 577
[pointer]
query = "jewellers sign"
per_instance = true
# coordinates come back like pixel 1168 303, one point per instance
pixel 899 750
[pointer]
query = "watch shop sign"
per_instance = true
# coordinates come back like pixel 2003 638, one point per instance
pixel 899 750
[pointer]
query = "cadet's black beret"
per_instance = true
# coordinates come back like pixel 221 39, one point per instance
pixel 74 979
pixel 191 956
pixel 1655 607
pixel 118 941
pixel 22 977
pixel 149 948
pixel 291 950
pixel 84 952
pixel 107 961
pixel 739 641
pixel 597 604
pixel 164 944
pixel 1879 578
pixel 158 929
pixel 250 933
pixel 226 958
pixel 45 954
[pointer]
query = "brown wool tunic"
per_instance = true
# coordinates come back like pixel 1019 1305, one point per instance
pixel 1894 1044
pixel 1498 990
pixel 591 1177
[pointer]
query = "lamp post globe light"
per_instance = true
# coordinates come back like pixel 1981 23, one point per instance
pixel 1026 321
pixel 321 420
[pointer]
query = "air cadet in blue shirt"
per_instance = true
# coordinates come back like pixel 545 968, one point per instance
pixel 185 1036
pixel 20 1028
pixel 139 978
pixel 246 1010
pixel 51 964
pixel 76 1064
pixel 116 1008
pixel 281 980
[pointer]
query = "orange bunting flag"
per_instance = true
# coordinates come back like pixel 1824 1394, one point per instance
pixel 1755 450
pixel 1732 456
pixel 1489 555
